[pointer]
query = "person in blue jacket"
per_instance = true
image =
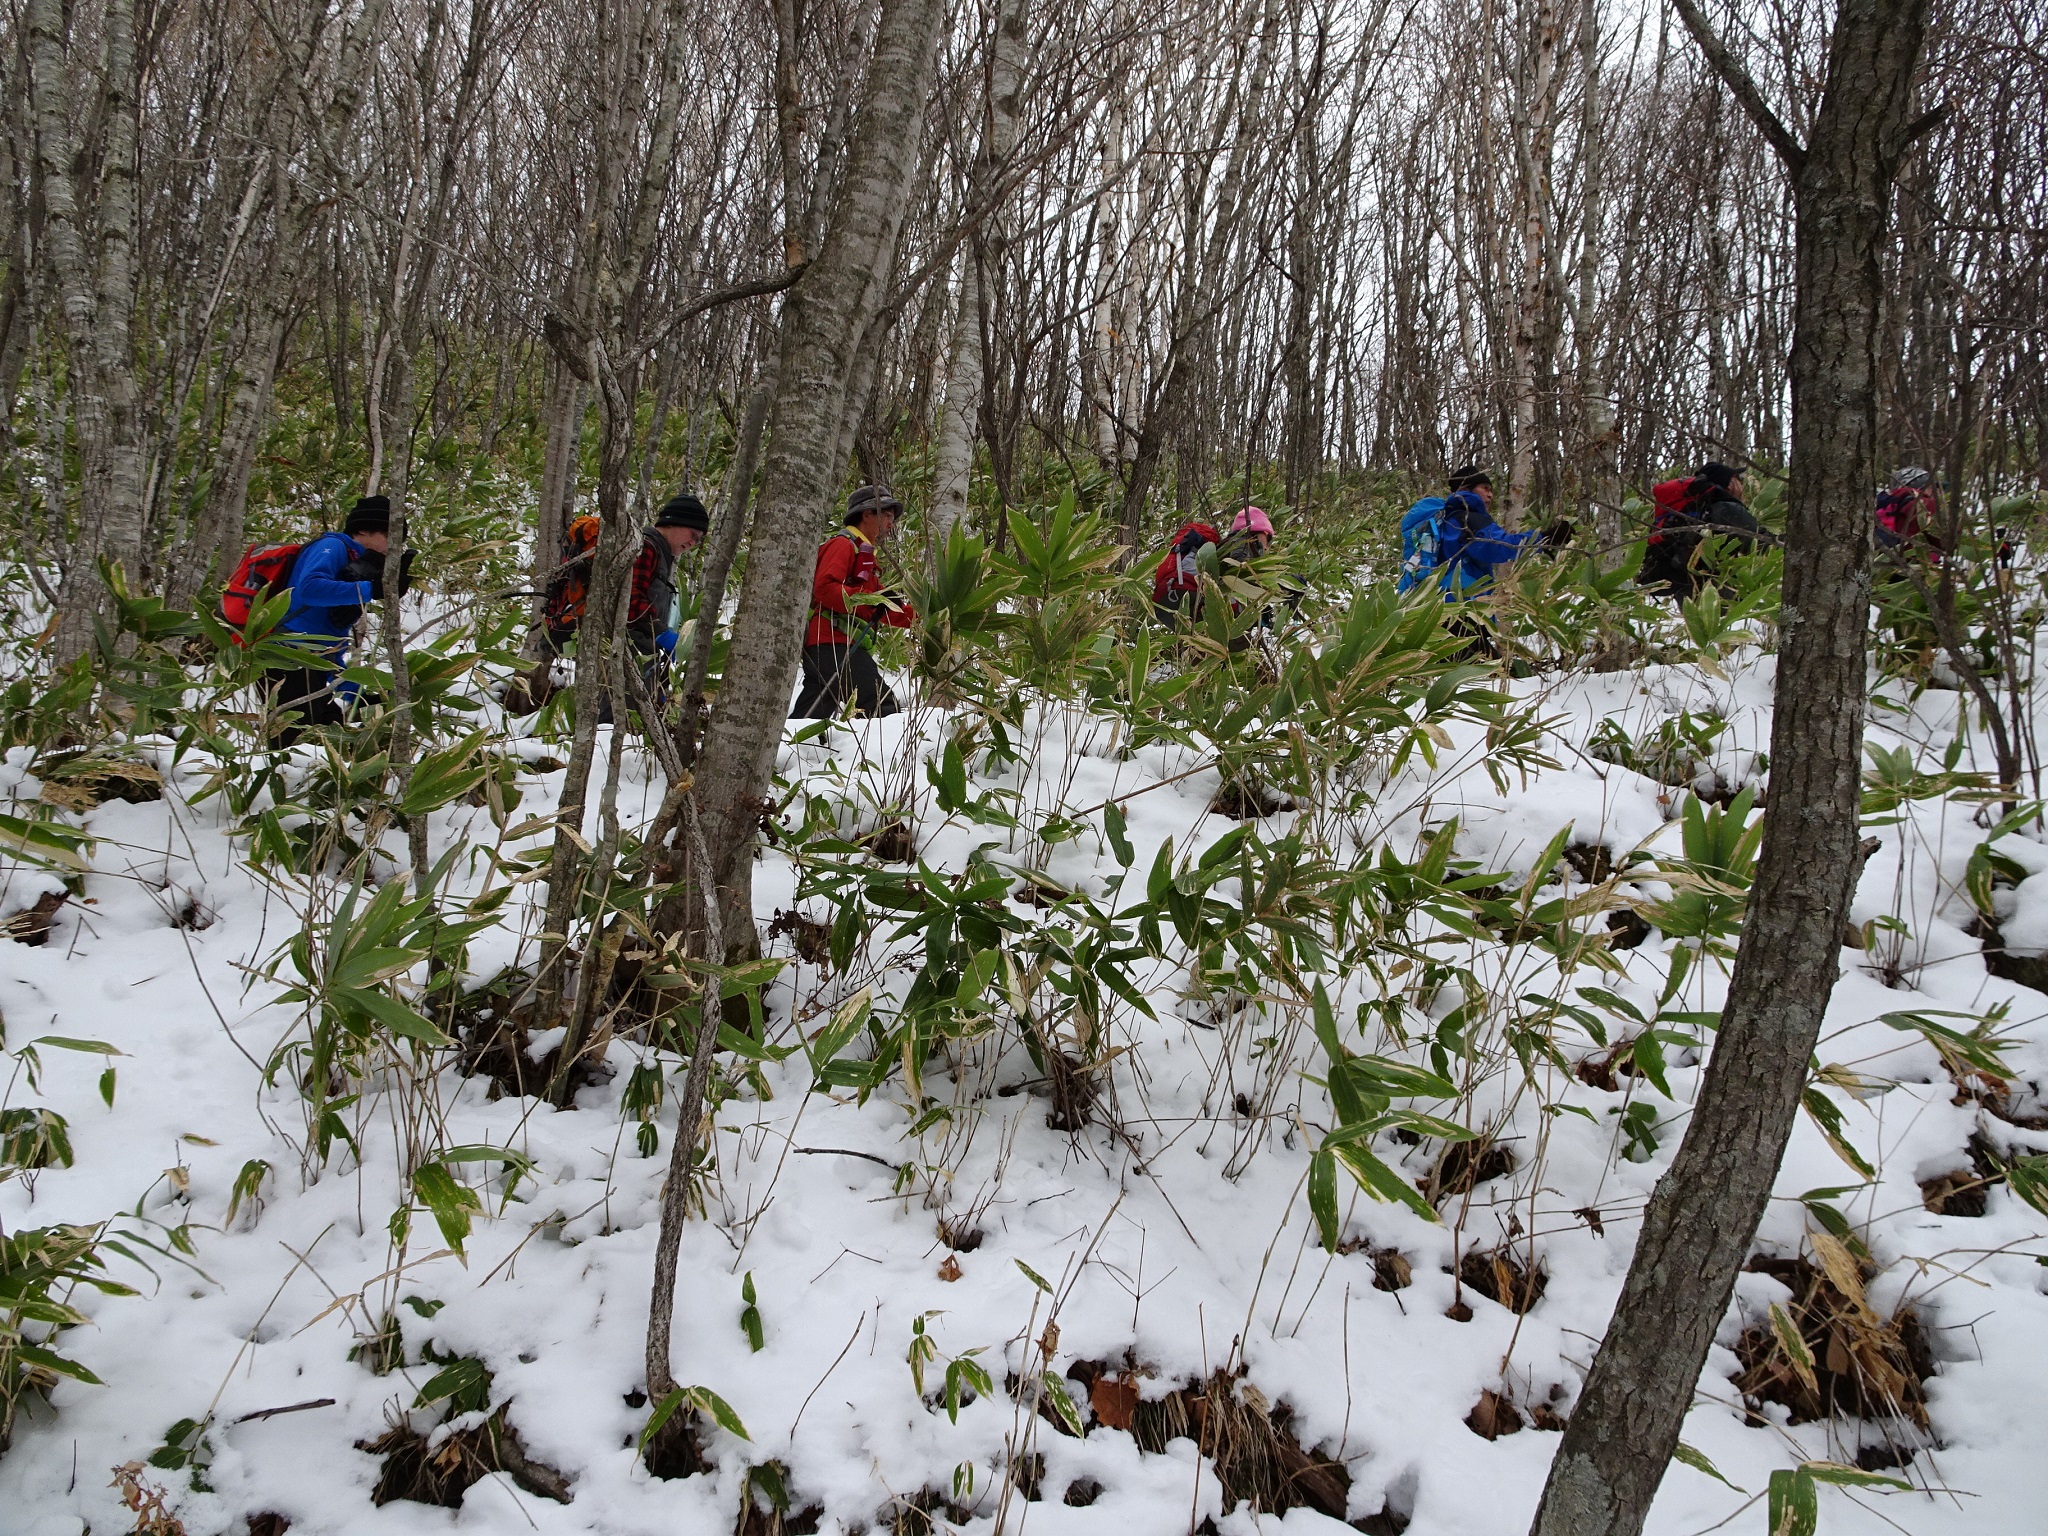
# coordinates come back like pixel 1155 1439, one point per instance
pixel 334 578
pixel 1471 549
pixel 1422 533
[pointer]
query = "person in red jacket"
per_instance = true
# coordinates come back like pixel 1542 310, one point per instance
pixel 838 668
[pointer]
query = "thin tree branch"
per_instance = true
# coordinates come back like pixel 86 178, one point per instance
pixel 1739 84
pixel 752 289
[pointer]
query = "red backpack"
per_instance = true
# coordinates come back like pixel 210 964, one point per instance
pixel 1898 516
pixel 264 571
pixel 1176 578
pixel 1671 499
pixel 569 588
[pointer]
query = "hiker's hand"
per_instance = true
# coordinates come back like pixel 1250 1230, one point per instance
pixel 1558 534
pixel 376 582
pixel 665 642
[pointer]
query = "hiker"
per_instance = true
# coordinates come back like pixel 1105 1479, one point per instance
pixel 332 580
pixel 680 525
pixel 1465 549
pixel 1420 542
pixel 1177 579
pixel 1710 503
pixel 1471 547
pixel 1905 515
pixel 838 667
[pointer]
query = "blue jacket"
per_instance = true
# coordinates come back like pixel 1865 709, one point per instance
pixel 1476 546
pixel 318 590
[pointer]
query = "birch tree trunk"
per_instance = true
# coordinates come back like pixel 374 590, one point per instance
pixel 1704 1213
pixel 1600 472
pixel 606 286
pixel 1104 340
pixel 89 237
pixel 825 321
pixel 981 259
pixel 562 424
pixel 1536 137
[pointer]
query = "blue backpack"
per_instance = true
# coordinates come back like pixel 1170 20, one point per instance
pixel 1422 543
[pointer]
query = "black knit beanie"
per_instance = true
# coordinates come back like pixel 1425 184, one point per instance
pixel 371 514
pixel 1469 477
pixel 1714 472
pixel 683 511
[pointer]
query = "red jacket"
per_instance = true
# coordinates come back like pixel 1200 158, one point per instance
pixel 846 569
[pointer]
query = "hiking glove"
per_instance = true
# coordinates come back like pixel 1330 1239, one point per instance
pixel 404 576
pixel 665 642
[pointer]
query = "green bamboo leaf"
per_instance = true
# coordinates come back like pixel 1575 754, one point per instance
pixel 1119 835
pixel 1398 1079
pixel 56 1364
pixel 1382 1183
pixel 394 1015
pixel 1322 1198
pixel 707 1401
pixel 465 1381
pixel 68 1043
pixel 1794 1504
pixel 663 1412
pixel 1828 1118
pixel 1062 1403
pixel 452 1203
pixel 1851 1477
pixel 1697 1460
pixel 1794 1346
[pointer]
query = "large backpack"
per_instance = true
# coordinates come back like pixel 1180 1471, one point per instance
pixel 569 587
pixel 1898 517
pixel 263 571
pixel 1674 529
pixel 1422 542
pixel 1177 578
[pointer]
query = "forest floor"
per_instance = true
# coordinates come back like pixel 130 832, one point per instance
pixel 1153 1252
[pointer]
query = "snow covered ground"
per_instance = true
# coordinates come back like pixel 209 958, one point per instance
pixel 1172 1234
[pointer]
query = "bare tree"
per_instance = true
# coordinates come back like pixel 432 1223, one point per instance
pixel 86 68
pixel 825 324
pixel 1704 1213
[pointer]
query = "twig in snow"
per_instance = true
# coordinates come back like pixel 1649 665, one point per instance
pixel 846 1152
pixel 271 1413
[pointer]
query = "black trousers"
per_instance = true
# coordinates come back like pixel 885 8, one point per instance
pixel 836 675
pixel 306 692
pixel 1478 637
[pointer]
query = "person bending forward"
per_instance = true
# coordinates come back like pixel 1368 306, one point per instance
pixel 839 669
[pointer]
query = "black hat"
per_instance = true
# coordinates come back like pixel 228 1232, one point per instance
pixel 1468 477
pixel 371 514
pixel 683 511
pixel 871 498
pixel 1714 472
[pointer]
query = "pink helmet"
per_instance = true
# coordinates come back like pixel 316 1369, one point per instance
pixel 1252 520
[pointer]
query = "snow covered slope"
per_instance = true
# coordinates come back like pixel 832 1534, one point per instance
pixel 1159 1236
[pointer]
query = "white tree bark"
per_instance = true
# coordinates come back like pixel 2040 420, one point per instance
pixel 980 262
pixel 1105 339
pixel 1536 137
pixel 89 235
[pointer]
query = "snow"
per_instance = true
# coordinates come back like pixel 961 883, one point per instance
pixel 1178 1237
